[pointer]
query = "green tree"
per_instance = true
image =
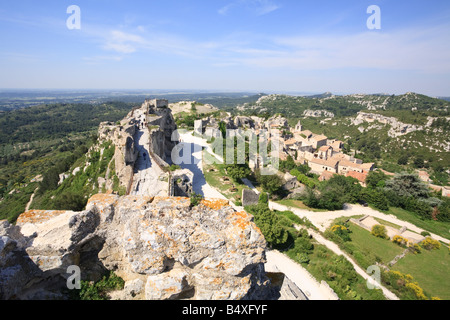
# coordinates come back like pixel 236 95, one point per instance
pixel 287 165
pixel 403 160
pixel 419 161
pixel 270 183
pixel 263 198
pixel 70 201
pixel 408 185
pixel 376 179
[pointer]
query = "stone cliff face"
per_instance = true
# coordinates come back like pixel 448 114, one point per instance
pixel 162 247
pixel 161 125
pixel 126 154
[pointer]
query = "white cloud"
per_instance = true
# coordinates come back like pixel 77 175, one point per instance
pixel 99 59
pixel 258 7
pixel 423 50
pixel 123 42
pixel 415 49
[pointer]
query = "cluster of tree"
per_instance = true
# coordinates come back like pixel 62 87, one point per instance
pixel 407 191
pixel 269 183
pixel 303 178
pixel 277 227
pixel 56 121
pixel 50 178
pixel 333 193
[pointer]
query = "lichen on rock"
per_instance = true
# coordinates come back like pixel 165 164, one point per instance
pixel 162 247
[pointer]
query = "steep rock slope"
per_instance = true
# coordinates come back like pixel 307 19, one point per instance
pixel 162 247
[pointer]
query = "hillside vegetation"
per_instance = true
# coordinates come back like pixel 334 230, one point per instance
pixel 414 133
pixel 38 144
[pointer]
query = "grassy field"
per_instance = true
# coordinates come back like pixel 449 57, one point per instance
pixel 218 180
pixel 430 269
pixel 338 273
pixel 298 204
pixel 368 249
pixel 438 227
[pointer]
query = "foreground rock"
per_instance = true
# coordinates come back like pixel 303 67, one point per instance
pixel 161 247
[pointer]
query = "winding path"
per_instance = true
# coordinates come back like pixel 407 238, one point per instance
pixel 323 220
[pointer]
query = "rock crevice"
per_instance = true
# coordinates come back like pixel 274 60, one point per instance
pixel 161 246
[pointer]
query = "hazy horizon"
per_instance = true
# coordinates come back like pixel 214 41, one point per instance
pixel 235 45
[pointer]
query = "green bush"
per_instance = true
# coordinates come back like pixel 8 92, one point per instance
pixel 100 289
pixel 274 228
pixel 195 199
pixel 379 231
pixel 263 198
pixel 303 258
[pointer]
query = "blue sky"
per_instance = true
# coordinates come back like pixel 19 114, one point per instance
pixel 258 45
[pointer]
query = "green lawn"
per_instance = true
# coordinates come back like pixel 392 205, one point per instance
pixel 339 274
pixel 440 228
pixel 215 179
pixel 298 204
pixel 368 249
pixel 431 269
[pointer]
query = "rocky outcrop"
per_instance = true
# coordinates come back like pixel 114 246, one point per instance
pixel 161 125
pixel 276 121
pixel 318 113
pixel 398 128
pixel 126 153
pixel 162 247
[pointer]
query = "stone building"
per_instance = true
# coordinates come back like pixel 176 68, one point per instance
pixel 318 165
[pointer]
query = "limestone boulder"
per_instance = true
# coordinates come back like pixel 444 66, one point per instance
pixel 161 246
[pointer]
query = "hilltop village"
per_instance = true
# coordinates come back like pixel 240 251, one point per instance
pixel 324 156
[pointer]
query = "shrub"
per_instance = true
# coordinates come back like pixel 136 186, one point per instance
pixel 269 183
pixel 304 245
pixel 303 257
pixel 100 289
pixel 400 240
pixel 404 285
pixel 430 244
pixel 415 248
pixel 195 199
pixel 272 226
pixel 341 231
pixel 174 167
pixel 263 198
pixel 425 234
pixel 379 231
pixel 418 291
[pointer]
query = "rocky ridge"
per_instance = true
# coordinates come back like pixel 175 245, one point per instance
pixel 162 247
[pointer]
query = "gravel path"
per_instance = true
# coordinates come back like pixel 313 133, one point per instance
pixel 146 180
pixel 313 290
pixel 196 144
pixel 323 220
pixel 335 248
